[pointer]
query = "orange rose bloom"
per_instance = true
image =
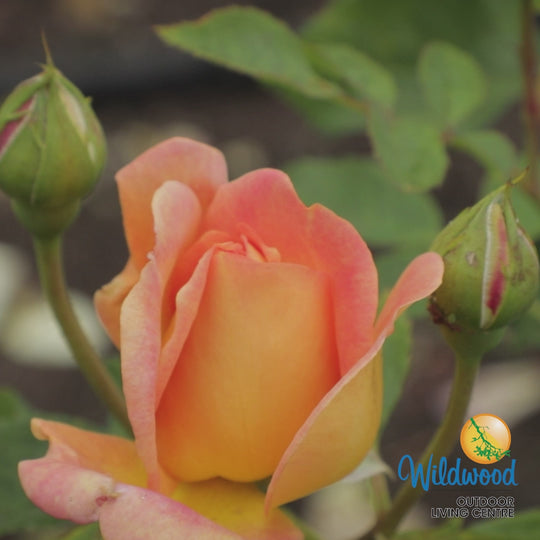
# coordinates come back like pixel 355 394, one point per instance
pixel 247 328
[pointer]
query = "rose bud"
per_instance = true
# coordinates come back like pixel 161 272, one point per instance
pixel 52 150
pixel 491 266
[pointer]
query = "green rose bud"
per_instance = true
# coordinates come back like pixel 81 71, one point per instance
pixel 52 150
pixel 491 267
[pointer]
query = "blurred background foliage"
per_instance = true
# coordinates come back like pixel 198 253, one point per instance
pixel 395 114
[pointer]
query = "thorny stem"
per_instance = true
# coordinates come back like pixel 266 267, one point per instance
pixel 49 261
pixel 531 107
pixel 442 443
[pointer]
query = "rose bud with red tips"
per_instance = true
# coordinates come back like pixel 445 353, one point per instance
pixel 52 150
pixel 491 267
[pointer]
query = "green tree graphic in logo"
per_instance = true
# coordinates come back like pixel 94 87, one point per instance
pixel 485 448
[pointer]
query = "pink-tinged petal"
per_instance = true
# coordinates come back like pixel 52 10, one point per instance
pixel 315 237
pixel 65 490
pixel 107 454
pixel 421 277
pixel 139 514
pixel 346 258
pixel 109 299
pixel 177 214
pixel 238 507
pixel 172 236
pixel 187 302
pixel 146 362
pixel 336 437
pixel 199 166
pixel 141 345
pixel 233 388
pixel 340 431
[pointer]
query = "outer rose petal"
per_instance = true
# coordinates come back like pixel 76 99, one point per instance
pixel 422 276
pixel 76 475
pixel 141 345
pixel 199 166
pixel 315 237
pixel 144 371
pixel 125 512
pixel 239 507
pixel 336 436
pixel 82 479
pixel 140 514
pixel 110 455
pixel 108 300
pixel 172 236
pixel 65 491
pixel 341 429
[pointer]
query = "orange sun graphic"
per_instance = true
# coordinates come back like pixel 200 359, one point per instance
pixel 485 438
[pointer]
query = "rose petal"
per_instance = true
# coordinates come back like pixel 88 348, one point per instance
pixel 65 490
pixel 335 438
pixel 172 236
pixel 68 491
pixel 78 480
pixel 77 473
pixel 187 302
pixel 421 277
pixel 141 345
pixel 233 388
pixel 145 366
pixel 199 166
pixel 315 237
pixel 340 430
pixel 238 507
pixel 108 300
pixel 107 454
pixel 140 514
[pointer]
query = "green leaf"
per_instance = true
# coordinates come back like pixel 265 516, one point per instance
pixel 16 444
pixel 453 83
pixel 394 33
pixel 328 116
pixel 493 150
pixel 84 532
pixel 252 42
pixel 356 189
pixel 410 150
pixel 11 407
pixel 396 364
pixel 359 76
pixel 523 526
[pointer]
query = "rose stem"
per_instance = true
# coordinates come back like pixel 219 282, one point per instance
pixel 49 262
pixel 441 444
pixel 531 107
